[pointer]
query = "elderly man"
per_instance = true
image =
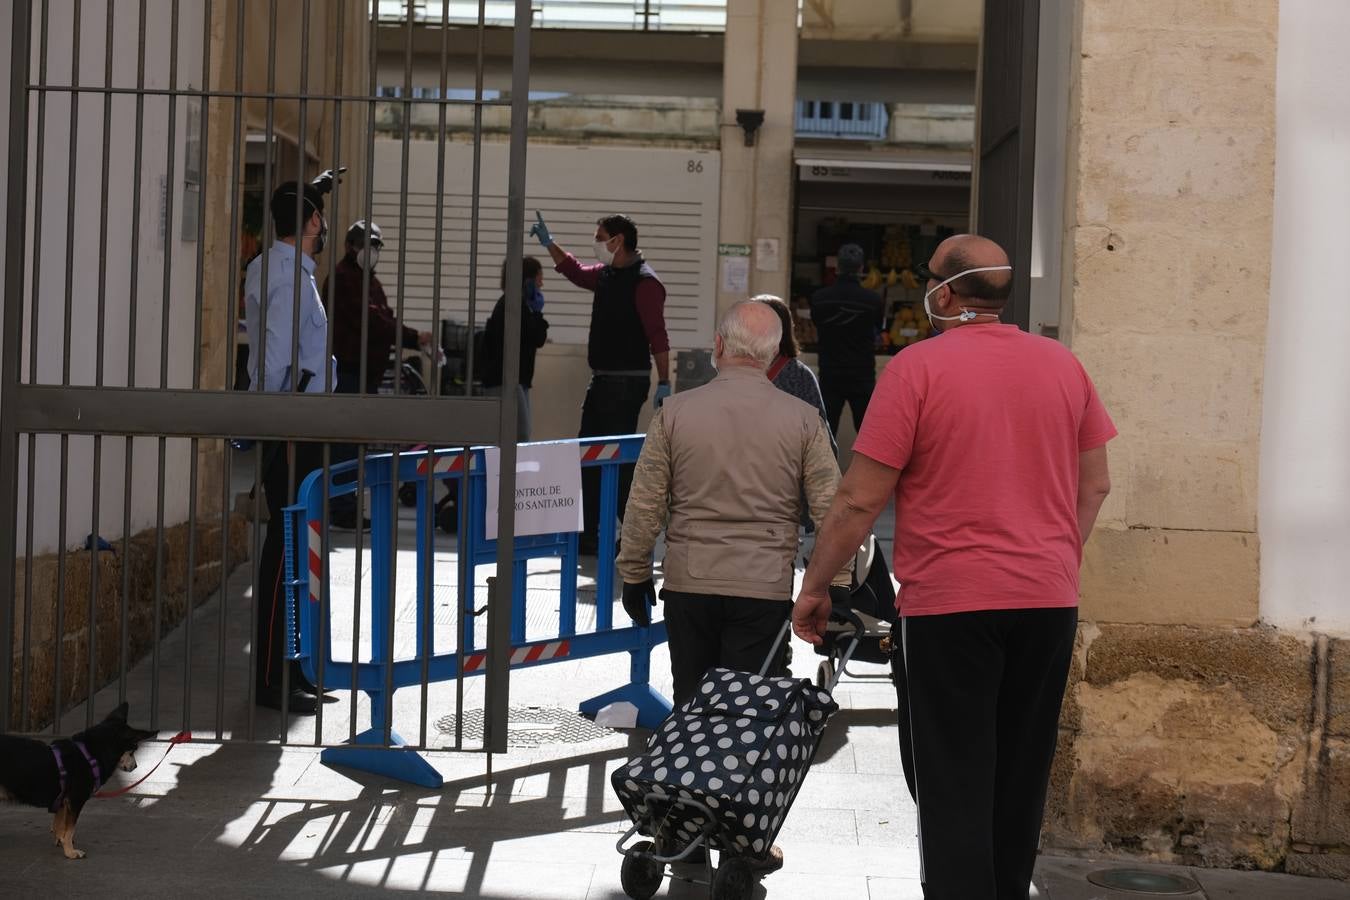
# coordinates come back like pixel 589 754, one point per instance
pixel 722 471
pixel 993 443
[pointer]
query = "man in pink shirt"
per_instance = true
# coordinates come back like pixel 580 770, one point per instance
pixel 993 444
pixel 627 333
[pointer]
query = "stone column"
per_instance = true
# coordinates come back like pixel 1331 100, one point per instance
pixel 759 72
pixel 1186 731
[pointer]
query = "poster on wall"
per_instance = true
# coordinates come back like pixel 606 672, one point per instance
pixel 548 489
pixel 766 255
pixel 734 264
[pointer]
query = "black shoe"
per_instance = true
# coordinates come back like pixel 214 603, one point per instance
pixel 298 703
pixel 302 684
pixel 346 521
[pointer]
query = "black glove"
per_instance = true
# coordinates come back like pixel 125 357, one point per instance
pixel 324 182
pixel 638 600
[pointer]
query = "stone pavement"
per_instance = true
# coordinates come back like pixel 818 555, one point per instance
pixel 261 819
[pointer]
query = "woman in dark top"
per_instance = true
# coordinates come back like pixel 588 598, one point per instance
pixel 533 334
pixel 787 372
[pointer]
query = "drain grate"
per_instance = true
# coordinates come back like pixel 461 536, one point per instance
pixel 533 726
pixel 1140 881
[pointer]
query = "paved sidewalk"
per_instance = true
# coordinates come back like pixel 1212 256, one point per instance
pixel 258 819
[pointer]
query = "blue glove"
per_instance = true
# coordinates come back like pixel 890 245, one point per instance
pixel 534 298
pixel 662 392
pixel 540 231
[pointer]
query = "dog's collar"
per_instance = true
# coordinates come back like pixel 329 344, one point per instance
pixel 61 772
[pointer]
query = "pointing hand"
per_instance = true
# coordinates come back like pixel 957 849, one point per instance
pixel 540 231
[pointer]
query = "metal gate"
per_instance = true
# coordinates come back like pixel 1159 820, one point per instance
pixel 141 166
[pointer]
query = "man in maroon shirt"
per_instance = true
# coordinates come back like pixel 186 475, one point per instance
pixel 628 332
pixel 355 288
pixel 350 294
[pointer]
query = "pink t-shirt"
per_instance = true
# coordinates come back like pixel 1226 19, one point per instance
pixel 985 424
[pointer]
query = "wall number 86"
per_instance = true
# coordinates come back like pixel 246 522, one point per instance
pixel 694 165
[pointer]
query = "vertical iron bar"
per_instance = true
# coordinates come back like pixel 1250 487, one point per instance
pixel 429 492
pixel 199 293
pixel 59 631
pixel 71 162
pixel 238 157
pixel 499 615
pixel 325 594
pixel 129 460
pixel 11 345
pixel 95 553
pixel 14 294
pixel 164 358
pixel 474 194
pixel 264 304
pixel 73 167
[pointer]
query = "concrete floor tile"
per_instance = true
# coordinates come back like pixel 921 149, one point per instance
pixel 894 889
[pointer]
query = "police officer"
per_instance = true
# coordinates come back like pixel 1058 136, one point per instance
pixel 270 318
pixel 627 333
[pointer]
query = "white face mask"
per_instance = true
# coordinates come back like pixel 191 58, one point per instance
pixel 368 258
pixel 603 253
pixel 966 315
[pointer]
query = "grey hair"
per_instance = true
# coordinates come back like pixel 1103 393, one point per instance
pixel 751 330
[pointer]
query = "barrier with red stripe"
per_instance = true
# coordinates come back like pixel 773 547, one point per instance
pixel 383 476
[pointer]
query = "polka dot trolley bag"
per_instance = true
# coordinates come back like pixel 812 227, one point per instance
pixel 738 750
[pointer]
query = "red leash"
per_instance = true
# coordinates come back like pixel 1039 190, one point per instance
pixel 181 737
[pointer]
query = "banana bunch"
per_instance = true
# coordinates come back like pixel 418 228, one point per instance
pixel 873 279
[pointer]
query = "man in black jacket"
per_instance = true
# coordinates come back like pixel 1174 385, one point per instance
pixel 848 317
pixel 533 335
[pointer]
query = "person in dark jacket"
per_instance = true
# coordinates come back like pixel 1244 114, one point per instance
pixel 355 288
pixel 848 317
pixel 533 335
pixel 788 373
pixel 350 295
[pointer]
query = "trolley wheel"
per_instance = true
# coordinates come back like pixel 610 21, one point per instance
pixel 825 674
pixel 641 875
pixel 735 880
pixel 407 493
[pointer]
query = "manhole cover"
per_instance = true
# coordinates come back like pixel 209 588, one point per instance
pixel 533 726
pixel 1140 881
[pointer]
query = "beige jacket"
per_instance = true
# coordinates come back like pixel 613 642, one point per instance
pixel 722 471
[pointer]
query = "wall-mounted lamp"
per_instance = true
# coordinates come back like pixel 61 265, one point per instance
pixel 750 120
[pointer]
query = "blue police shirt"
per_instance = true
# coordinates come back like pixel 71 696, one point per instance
pixel 312 336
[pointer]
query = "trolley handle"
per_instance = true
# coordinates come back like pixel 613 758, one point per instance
pixel 839 613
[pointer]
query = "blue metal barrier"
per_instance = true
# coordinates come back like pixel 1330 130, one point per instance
pixel 309 637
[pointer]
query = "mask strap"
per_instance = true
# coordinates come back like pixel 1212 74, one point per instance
pixel 966 315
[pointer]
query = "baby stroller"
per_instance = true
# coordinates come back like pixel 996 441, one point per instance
pixel 721 774
pixel 872 598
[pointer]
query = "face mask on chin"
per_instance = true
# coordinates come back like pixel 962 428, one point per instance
pixel 603 253
pixel 368 258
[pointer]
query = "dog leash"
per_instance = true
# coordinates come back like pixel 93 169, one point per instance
pixel 181 737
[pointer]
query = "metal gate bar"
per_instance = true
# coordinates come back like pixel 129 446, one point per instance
pixel 80 416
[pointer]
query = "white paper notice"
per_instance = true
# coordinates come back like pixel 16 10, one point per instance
pixel 766 255
pixel 548 489
pixel 735 274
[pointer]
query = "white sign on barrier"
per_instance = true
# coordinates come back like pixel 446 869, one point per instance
pixel 548 488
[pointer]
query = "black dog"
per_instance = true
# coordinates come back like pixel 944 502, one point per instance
pixel 63 775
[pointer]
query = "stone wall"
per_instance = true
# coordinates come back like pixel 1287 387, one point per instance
pixel 1206 746
pixel 1191 733
pixel 73 632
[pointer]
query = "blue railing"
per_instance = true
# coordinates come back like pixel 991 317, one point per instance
pixel 309 631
